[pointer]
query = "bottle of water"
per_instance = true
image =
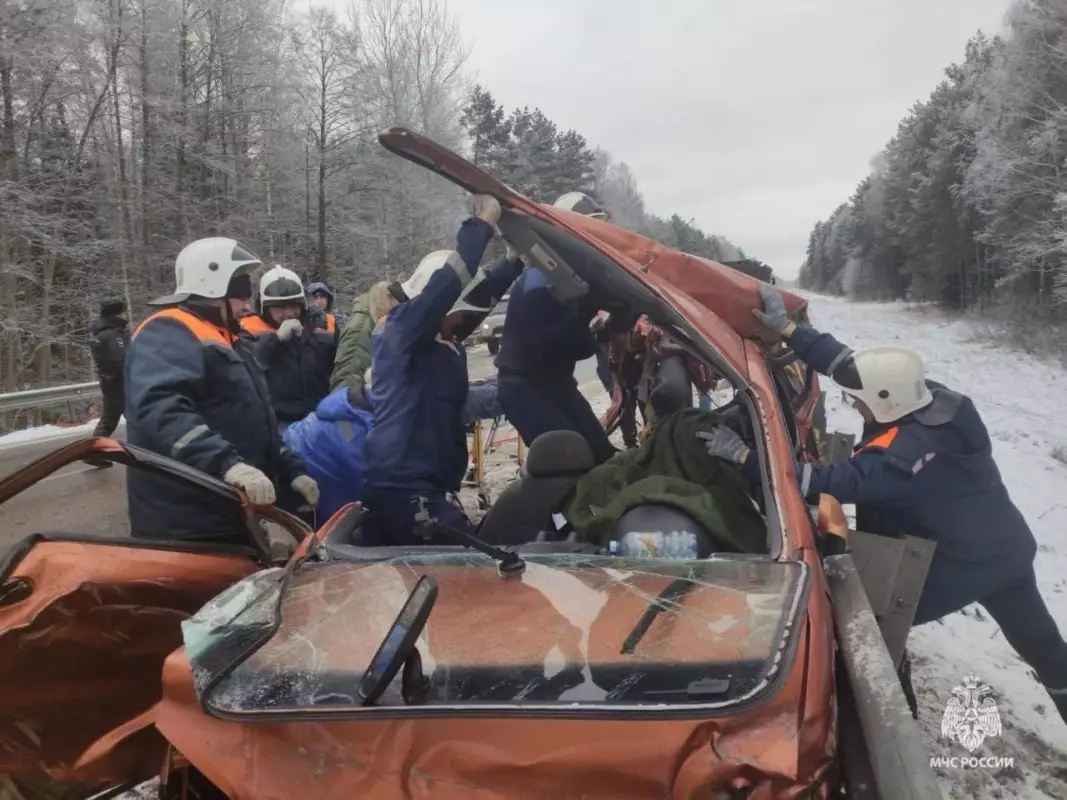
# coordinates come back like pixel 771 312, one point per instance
pixel 656 544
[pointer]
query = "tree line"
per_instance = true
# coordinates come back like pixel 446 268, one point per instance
pixel 130 127
pixel 967 204
pixel 528 152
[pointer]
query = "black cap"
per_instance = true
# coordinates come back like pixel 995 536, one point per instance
pixel 240 287
pixel 112 307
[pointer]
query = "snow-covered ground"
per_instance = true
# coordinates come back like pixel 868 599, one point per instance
pixel 1020 399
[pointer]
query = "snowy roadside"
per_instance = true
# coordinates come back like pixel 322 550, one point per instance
pixel 45 432
pixel 1018 396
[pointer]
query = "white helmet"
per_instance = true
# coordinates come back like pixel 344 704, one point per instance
pixel 281 287
pixel 581 203
pixel 205 267
pixel 445 259
pixel 890 380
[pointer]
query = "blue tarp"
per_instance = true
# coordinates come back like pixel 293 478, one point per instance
pixel 331 443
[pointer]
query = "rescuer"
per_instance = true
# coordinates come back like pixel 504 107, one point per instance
pixel 293 344
pixel 195 393
pixel 416 451
pixel 924 467
pixel 544 339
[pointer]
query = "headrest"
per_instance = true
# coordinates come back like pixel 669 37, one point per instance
pixel 673 390
pixel 559 453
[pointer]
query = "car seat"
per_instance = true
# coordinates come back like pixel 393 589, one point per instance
pixel 524 509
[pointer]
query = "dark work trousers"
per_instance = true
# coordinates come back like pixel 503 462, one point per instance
pixel 628 416
pixel 631 368
pixel 1024 619
pixel 391 517
pixel 542 404
pixel 114 404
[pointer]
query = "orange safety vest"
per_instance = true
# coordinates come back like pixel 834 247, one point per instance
pixel 331 323
pixel 202 329
pixel 255 325
pixel 880 442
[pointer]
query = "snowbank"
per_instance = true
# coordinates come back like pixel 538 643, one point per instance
pixel 46 432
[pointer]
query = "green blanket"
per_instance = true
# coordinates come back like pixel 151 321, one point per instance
pixel 672 468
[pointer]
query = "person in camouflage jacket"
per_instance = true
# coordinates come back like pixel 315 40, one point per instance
pixel 353 352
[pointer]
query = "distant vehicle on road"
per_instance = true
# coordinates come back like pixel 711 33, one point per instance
pixel 493 327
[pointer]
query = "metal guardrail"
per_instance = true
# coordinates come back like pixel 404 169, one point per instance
pixel 31 398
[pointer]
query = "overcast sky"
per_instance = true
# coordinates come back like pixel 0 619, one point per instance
pixel 754 117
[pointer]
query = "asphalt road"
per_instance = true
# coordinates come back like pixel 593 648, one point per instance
pixel 81 499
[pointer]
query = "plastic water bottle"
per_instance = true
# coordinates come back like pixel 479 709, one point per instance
pixel 656 544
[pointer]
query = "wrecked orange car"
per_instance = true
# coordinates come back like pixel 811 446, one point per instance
pixel 550 668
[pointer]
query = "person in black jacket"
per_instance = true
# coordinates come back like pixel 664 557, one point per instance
pixel 294 345
pixel 544 339
pixel 924 467
pixel 109 336
pixel 195 393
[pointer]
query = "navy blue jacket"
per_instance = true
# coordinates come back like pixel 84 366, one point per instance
pixel 419 384
pixel 298 371
pixel 195 393
pixel 542 337
pixel 929 474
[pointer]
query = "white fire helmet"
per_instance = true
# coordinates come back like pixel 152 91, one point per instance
pixel 890 380
pixel 446 259
pixel 281 287
pixel 205 268
pixel 581 203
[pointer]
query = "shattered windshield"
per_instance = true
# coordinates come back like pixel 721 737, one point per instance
pixel 587 630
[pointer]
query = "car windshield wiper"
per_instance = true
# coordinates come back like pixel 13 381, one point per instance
pixel 674 591
pixel 509 563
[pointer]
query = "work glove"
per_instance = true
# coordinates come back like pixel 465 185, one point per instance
pixel 252 482
pixel 290 329
pixel 773 315
pixel 485 207
pixel 306 488
pixel 725 444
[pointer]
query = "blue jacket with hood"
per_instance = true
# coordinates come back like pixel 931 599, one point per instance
pixel 331 443
pixel 420 381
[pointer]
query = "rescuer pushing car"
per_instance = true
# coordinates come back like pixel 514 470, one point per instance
pixel 924 467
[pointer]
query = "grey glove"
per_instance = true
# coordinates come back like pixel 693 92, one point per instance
pixel 290 329
pixel 306 487
pixel 773 314
pixel 485 207
pixel 725 444
pixel 252 482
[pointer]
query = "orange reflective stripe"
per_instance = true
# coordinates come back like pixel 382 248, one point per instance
pixel 331 323
pixel 880 442
pixel 255 325
pixel 200 328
